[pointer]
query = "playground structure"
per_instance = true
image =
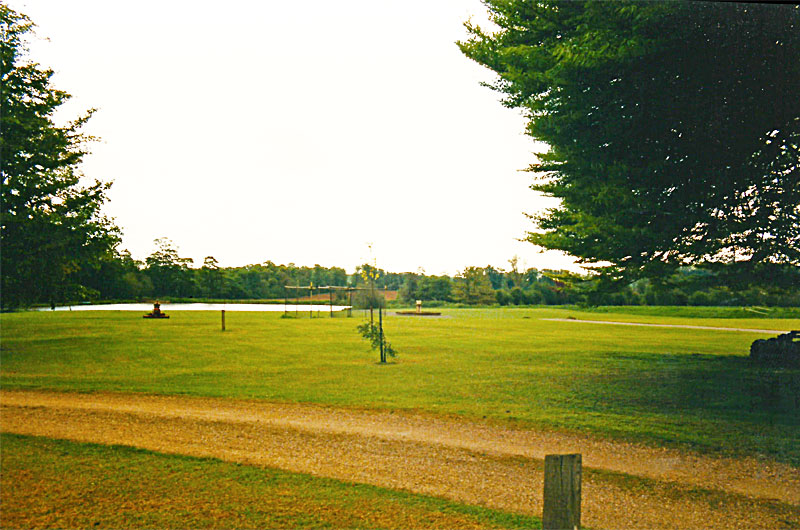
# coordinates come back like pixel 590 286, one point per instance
pixel 370 330
pixel 331 289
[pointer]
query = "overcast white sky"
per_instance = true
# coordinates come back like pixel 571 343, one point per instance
pixel 296 131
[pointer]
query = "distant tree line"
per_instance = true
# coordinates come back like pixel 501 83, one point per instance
pixel 165 274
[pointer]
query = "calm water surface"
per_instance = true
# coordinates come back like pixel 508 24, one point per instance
pixel 166 308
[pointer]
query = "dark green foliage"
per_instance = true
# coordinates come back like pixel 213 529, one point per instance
pixel 418 286
pixel 674 129
pixel 210 279
pixel 408 292
pixel 117 276
pixel 472 287
pixel 169 273
pixel 496 277
pixel 51 225
pixel 369 299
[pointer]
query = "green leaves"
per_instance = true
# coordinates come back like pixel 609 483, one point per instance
pixel 374 334
pixel 50 225
pixel 673 127
pixel 472 287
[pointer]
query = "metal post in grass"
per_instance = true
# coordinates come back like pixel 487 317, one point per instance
pixel 223 320
pixel 380 328
pixel 350 303
pixel 562 492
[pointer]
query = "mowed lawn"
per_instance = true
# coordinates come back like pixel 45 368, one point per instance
pixel 687 387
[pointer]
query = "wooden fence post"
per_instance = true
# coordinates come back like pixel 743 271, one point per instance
pixel 223 320
pixel 562 492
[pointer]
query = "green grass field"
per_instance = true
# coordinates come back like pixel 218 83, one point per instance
pixel 59 484
pixel 685 387
pixel 701 311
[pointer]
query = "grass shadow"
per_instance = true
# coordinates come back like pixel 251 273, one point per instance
pixel 708 402
pixel 730 386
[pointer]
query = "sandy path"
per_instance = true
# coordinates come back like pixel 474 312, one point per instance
pixel 679 326
pixel 473 462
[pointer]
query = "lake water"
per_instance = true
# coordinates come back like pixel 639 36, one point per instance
pixel 166 308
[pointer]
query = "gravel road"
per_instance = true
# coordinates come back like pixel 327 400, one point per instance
pixel 625 485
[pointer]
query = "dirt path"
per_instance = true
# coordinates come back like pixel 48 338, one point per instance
pixel 473 462
pixel 680 326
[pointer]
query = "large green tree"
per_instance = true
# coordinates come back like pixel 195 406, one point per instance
pixel 50 224
pixel 472 286
pixel 169 273
pixel 211 279
pixel 673 127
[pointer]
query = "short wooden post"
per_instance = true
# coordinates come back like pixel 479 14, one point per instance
pixel 562 492
pixel 223 320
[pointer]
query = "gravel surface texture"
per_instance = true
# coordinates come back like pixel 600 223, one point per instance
pixel 625 485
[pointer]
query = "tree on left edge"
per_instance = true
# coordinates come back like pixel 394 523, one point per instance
pixel 50 224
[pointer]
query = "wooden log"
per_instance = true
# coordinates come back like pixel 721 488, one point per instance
pixel 562 492
pixel 223 320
